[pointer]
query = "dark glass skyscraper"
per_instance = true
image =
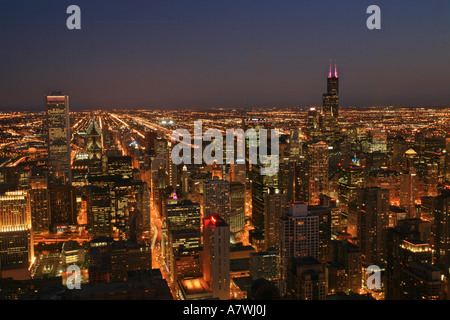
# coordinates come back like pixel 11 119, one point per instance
pixel 330 105
pixel 330 108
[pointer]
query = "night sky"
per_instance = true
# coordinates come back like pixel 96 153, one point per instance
pixel 227 53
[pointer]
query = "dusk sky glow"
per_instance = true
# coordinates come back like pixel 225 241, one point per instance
pixel 234 53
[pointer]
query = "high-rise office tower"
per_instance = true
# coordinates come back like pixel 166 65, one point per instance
pixel 259 186
pixel 299 237
pixel 409 193
pixel 324 213
pixel 237 203
pixel 59 137
pixel 330 107
pixel 185 180
pixel 258 183
pixel 216 198
pixel 39 204
pixel 371 214
pixel 442 228
pixel 94 148
pixel 171 168
pixel 99 211
pixel 183 229
pixel 351 178
pixel 318 159
pixel 312 125
pixel 16 236
pixel 63 206
pixel 275 206
pixel 298 181
pixel 216 256
pixel 331 98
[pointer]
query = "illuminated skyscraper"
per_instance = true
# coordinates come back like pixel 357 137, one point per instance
pixel 59 136
pixel 16 237
pixel 330 107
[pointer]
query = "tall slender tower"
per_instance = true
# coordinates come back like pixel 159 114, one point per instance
pixel 330 106
pixel 59 136
pixel 216 256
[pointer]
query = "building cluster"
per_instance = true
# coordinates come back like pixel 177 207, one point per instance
pixel 350 193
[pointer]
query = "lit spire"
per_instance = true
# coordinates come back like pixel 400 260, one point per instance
pixel 335 70
pixel 329 72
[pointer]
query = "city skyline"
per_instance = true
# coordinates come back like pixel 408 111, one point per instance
pixel 105 193
pixel 235 54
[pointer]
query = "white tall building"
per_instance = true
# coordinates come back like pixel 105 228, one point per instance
pixel 216 256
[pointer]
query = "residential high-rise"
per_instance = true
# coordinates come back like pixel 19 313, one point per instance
pixel 216 198
pixel 370 212
pixel 299 237
pixel 216 256
pixel 275 204
pixel 318 159
pixel 59 137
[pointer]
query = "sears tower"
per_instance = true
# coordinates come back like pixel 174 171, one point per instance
pixel 330 107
